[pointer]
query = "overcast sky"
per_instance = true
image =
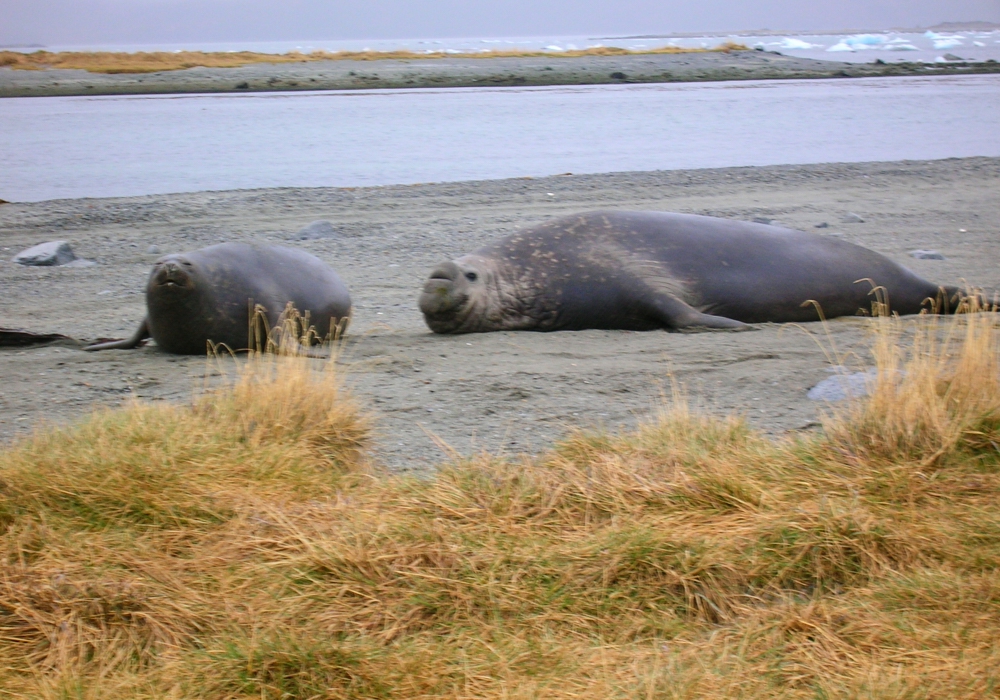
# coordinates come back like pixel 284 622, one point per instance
pixel 182 21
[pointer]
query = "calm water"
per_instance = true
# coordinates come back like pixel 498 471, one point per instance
pixel 56 147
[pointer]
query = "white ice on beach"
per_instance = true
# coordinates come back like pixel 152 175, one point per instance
pixel 790 44
pixel 860 42
pixel 949 43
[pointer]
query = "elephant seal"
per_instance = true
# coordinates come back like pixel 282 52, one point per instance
pixel 649 270
pixel 208 295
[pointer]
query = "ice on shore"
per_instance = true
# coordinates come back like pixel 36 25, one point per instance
pixel 860 42
pixel 944 41
pixel 947 43
pixel 790 44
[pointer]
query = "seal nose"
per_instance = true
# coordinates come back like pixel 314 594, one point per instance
pixel 446 271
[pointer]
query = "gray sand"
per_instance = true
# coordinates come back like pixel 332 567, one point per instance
pixel 464 72
pixel 501 391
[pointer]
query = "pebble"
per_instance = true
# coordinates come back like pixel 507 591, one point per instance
pixel 822 225
pixel 927 255
pixel 762 220
pixel 314 231
pixel 851 218
pixel 46 254
pixel 843 386
pixel 153 250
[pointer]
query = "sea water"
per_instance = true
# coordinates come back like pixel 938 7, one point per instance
pixel 59 147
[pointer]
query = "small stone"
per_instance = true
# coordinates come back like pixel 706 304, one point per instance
pixel 243 86
pixel 843 386
pixel 851 218
pixel 927 255
pixel 46 254
pixel 617 75
pixel 314 231
pixel 952 57
pixel 762 220
pixel 822 224
pixel 153 250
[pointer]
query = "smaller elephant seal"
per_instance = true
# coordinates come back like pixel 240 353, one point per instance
pixel 648 270
pixel 209 295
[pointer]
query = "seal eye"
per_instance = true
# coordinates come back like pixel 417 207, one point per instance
pixel 471 276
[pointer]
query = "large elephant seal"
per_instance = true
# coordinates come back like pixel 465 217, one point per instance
pixel 648 270
pixel 208 295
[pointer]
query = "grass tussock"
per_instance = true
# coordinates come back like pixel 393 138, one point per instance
pixel 155 61
pixel 240 548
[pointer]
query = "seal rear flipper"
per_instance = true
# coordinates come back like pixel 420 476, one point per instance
pixel 15 338
pixel 128 344
pixel 675 315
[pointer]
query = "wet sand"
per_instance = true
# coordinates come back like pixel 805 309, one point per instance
pixel 464 72
pixel 501 391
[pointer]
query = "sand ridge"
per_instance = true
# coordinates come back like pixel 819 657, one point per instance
pixel 464 72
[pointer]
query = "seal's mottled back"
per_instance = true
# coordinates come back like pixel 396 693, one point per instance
pixel 648 270
pixel 207 295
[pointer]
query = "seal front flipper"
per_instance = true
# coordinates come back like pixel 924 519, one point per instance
pixel 675 315
pixel 133 342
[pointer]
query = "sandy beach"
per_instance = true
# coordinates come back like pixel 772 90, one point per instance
pixel 502 391
pixel 465 72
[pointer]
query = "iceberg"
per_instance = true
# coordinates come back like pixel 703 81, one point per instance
pixel 947 43
pixel 901 47
pixel 860 42
pixel 866 41
pixel 790 44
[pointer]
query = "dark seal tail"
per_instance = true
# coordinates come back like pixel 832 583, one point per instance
pixel 951 299
pixel 133 342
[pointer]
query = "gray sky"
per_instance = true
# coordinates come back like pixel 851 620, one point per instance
pixel 177 21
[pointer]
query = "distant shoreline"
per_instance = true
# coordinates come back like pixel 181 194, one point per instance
pixel 465 72
pixel 942 27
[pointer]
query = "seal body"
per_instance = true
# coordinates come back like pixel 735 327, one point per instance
pixel 649 270
pixel 209 295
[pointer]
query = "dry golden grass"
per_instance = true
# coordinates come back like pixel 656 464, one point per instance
pixel 241 548
pixel 152 62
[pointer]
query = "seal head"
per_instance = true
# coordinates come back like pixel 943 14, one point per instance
pixel 459 294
